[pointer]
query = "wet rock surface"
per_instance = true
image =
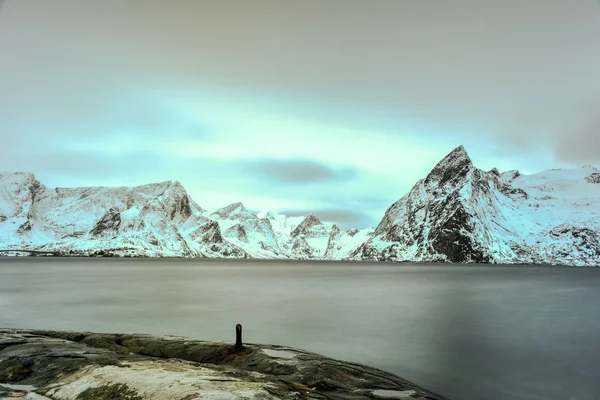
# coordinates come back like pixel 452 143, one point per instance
pixel 81 366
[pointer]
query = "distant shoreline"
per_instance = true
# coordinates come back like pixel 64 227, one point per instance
pixel 48 255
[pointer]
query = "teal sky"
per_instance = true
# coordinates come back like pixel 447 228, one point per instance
pixel 334 107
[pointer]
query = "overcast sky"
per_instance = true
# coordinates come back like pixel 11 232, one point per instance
pixel 335 107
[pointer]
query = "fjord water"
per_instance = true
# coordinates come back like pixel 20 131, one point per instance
pixel 466 332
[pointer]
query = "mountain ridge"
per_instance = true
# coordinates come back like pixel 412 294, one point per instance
pixel 457 213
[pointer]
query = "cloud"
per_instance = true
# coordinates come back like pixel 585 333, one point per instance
pixel 467 76
pixel 344 218
pixel 581 145
pixel 300 171
pixel 61 168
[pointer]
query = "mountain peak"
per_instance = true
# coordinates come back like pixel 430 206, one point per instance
pixel 312 220
pixel 17 177
pixel 231 210
pixel 459 154
pixel 305 225
pixel 455 165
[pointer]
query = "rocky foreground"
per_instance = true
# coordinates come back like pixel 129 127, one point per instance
pixel 84 366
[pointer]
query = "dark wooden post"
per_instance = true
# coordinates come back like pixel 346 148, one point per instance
pixel 238 337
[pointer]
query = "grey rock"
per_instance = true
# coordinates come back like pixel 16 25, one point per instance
pixel 73 365
pixel 237 232
pixel 304 226
pixel 593 178
pixel 109 222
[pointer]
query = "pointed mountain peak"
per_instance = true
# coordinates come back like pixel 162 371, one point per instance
pixel 454 166
pixel 459 154
pixel 311 220
pixel 175 187
pixel 305 225
pixel 231 210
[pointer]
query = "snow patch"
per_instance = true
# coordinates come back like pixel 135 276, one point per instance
pixel 279 353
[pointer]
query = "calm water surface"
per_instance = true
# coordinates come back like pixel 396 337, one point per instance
pixel 464 332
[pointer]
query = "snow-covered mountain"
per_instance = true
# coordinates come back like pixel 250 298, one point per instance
pixel 155 220
pixel 458 213
pixel 248 231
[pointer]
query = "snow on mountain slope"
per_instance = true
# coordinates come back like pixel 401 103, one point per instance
pixel 341 244
pixel 149 220
pixel 281 223
pixel 563 211
pixel 460 213
pixel 309 238
pixel 245 229
pixel 155 220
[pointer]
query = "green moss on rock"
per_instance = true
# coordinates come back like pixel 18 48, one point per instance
pixel 110 392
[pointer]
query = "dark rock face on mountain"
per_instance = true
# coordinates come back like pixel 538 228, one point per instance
pixel 177 204
pixel 452 170
pixel 301 249
pixel 305 226
pixel 334 238
pixel 593 178
pixel 109 223
pixel 24 228
pixel 573 243
pixel 207 233
pixel 208 237
pixel 237 232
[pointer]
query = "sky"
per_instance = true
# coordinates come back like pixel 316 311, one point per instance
pixel 332 107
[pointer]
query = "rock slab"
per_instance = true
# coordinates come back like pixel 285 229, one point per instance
pixel 83 366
